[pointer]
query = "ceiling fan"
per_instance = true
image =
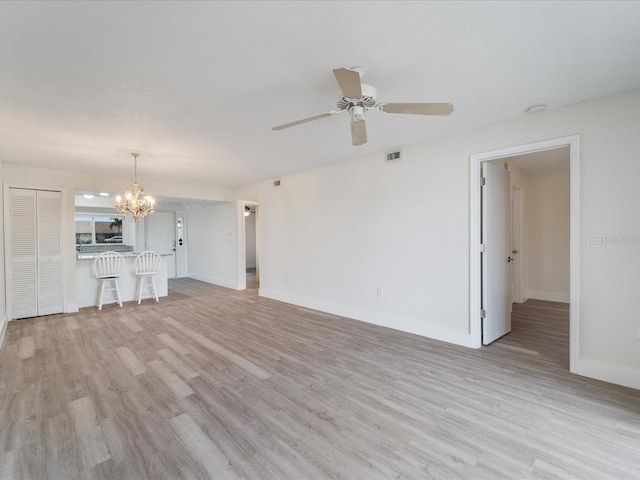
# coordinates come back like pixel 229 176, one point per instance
pixel 359 97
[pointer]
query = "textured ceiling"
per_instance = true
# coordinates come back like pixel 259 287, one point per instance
pixel 197 86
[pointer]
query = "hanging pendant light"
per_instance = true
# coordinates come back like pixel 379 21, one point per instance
pixel 137 204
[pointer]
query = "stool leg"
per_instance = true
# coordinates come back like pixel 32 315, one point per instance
pixel 153 287
pixel 100 294
pixel 140 282
pixel 115 281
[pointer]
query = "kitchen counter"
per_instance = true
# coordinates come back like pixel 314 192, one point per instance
pixel 92 255
pixel 88 284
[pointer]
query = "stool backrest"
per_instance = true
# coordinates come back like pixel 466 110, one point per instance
pixel 108 264
pixel 147 263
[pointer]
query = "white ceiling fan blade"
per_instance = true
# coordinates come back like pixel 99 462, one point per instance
pixel 349 82
pixel 417 108
pixel 358 133
pixel 304 120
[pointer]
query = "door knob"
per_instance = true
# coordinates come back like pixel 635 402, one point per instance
pixel 514 251
pixel 510 259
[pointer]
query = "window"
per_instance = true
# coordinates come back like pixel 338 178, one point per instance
pixel 96 230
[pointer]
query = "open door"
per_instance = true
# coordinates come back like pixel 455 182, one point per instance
pixel 496 269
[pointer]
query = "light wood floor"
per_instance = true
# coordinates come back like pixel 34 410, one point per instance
pixel 212 383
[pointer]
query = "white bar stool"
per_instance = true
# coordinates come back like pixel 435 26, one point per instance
pixel 147 265
pixel 107 267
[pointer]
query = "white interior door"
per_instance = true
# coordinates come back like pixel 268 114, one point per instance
pixel 160 236
pixel 49 253
pixel 181 245
pixel 23 255
pixel 496 270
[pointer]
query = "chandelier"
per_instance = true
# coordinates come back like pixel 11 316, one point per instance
pixel 137 203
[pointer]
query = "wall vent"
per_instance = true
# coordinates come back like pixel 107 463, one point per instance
pixel 276 183
pixel 393 156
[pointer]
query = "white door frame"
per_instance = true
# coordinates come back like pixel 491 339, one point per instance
pixel 475 161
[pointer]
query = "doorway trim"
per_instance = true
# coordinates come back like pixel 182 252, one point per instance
pixel 475 164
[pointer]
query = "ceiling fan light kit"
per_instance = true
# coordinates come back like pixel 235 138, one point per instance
pixel 359 97
pixel 357 113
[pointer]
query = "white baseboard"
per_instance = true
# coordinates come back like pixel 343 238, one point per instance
pixel 608 372
pixel 3 328
pixel 217 281
pixel 72 308
pixel 403 324
pixel 549 296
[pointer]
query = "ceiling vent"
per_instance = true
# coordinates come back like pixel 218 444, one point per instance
pixel 393 156
pixel 276 183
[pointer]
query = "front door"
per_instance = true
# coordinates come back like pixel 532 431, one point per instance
pixel 160 236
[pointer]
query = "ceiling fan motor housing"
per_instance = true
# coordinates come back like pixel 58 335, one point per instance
pixel 368 99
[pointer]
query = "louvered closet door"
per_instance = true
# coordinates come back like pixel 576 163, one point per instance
pixel 49 241
pixel 36 252
pixel 24 268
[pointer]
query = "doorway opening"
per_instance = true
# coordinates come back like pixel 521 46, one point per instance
pixel 517 288
pixel 251 245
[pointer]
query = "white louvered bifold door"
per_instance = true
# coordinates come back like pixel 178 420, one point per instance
pixel 49 236
pixel 35 252
pixel 24 267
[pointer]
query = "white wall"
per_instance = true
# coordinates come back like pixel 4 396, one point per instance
pixel 68 182
pixel 250 240
pixel 547 222
pixel 212 244
pixel 331 237
pixel 3 311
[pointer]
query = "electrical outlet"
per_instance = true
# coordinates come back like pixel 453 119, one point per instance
pixel 595 241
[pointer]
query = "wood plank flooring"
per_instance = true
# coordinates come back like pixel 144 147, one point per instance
pixel 211 383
